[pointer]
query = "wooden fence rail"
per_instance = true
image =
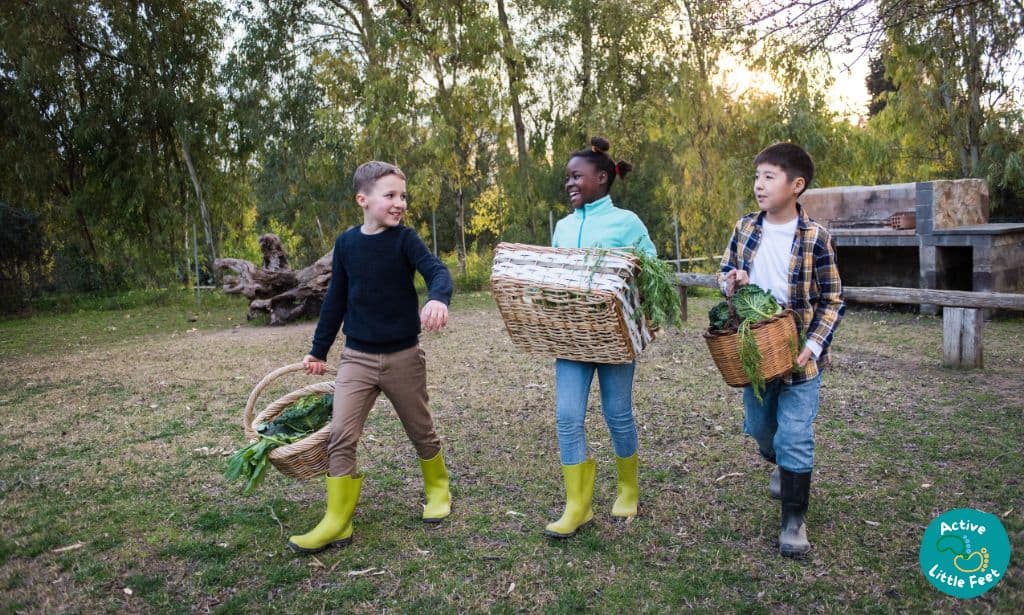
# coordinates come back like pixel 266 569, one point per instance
pixel 962 319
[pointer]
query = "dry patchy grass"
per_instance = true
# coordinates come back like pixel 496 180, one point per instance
pixel 102 451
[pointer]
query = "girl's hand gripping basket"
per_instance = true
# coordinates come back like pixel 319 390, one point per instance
pixel 306 458
pixel 579 304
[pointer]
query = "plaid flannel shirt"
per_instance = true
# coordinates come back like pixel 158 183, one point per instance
pixel 815 291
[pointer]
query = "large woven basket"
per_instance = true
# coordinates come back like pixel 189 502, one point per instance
pixel 579 304
pixel 306 458
pixel 776 339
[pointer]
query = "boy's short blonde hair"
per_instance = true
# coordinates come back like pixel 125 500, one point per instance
pixel 369 172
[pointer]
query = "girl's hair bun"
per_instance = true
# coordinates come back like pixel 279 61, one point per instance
pixel 600 144
pixel 622 168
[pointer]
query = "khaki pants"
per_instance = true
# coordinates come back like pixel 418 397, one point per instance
pixel 402 377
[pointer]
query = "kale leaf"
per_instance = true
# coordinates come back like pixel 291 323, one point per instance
pixel 753 304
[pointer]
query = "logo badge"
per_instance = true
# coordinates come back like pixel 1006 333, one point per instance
pixel 964 552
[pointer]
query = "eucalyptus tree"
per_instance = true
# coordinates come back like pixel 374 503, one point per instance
pixel 954 67
pixel 99 99
pixel 457 52
pixel 958 79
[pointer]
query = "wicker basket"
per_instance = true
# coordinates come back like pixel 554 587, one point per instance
pixel 776 339
pixel 306 458
pixel 578 304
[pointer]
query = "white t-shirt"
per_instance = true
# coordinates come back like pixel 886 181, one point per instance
pixel 770 269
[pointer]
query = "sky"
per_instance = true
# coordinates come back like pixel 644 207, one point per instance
pixel 847 96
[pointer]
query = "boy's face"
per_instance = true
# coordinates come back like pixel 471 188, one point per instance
pixel 583 182
pixel 384 204
pixel 776 193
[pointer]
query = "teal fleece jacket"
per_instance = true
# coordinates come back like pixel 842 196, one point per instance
pixel 602 225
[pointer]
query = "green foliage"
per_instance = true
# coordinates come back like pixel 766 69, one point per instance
pixel 719 316
pixel 300 419
pixel 659 294
pixel 100 98
pixel 477 276
pixel 754 304
pixel 306 415
pixel 21 254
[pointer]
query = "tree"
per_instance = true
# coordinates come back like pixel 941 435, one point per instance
pixel 878 84
pixel 92 94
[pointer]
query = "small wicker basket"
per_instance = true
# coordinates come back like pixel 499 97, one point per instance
pixel 579 304
pixel 306 458
pixel 776 339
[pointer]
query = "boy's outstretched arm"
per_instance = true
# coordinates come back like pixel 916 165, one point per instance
pixel 434 315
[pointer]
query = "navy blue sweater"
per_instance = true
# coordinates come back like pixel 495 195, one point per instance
pixel 372 291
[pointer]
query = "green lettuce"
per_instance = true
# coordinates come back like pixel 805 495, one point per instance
pixel 753 304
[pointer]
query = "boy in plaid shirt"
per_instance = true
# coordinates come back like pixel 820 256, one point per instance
pixel 789 255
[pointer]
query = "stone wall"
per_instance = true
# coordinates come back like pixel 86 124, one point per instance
pixel 959 202
pixel 858 203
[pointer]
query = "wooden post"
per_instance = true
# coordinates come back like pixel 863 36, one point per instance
pixel 961 337
pixel 682 303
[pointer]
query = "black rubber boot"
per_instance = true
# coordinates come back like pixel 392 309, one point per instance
pixel 774 490
pixel 796 491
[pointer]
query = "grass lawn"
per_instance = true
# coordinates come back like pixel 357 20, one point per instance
pixel 114 424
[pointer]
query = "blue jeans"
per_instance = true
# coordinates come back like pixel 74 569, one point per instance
pixel 783 423
pixel 572 390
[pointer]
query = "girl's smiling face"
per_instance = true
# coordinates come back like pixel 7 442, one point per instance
pixel 584 183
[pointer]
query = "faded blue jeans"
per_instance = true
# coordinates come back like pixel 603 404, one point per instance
pixel 572 390
pixel 783 423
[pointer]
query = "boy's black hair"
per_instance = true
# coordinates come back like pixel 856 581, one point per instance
pixel 791 158
pixel 597 154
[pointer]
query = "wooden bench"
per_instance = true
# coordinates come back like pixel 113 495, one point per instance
pixel 962 314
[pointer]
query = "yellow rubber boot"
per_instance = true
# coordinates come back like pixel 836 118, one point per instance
pixel 579 492
pixel 335 529
pixel 435 487
pixel 628 489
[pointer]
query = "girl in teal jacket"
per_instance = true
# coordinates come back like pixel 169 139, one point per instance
pixel 595 223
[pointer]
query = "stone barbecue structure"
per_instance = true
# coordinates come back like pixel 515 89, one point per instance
pixel 932 235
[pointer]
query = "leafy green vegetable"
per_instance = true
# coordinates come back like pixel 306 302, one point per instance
pixel 750 359
pixel 754 304
pixel 659 293
pixel 306 415
pixel 719 316
pixel 303 417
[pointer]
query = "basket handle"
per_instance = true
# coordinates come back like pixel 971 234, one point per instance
pixel 250 404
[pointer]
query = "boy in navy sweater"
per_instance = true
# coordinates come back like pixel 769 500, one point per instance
pixel 372 294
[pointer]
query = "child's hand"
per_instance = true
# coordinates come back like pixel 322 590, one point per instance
pixel 804 356
pixel 434 315
pixel 314 366
pixel 734 279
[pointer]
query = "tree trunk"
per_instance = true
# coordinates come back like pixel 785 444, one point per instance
pixel 274 288
pixel 462 231
pixel 203 213
pixel 586 56
pixel 514 66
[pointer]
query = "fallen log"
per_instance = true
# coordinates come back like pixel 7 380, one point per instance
pixel 276 289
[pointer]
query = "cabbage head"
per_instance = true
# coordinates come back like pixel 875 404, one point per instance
pixel 753 304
